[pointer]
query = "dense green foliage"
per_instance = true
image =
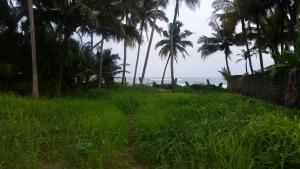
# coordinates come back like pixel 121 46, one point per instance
pixel 122 127
pixel 271 24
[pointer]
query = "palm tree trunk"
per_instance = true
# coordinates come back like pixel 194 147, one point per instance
pixel 137 58
pixel 35 85
pixel 282 13
pixel 172 74
pixel 248 50
pixel 92 42
pixel 293 23
pixel 163 77
pixel 259 50
pixel 125 56
pixel 124 63
pixel 172 44
pixel 101 62
pixel 227 64
pixel 147 56
pixel 64 53
pixel 61 71
pixel 246 66
pixel 247 44
pixel 148 50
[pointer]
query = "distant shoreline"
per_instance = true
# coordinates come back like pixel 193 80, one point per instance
pixel 182 80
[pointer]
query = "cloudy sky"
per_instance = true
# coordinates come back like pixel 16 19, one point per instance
pixel 193 66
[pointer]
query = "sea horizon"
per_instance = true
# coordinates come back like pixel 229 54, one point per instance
pixel 182 80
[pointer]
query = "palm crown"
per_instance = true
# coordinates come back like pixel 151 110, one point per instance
pixel 221 40
pixel 180 42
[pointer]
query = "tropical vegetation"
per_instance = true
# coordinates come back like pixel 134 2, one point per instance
pixel 180 44
pixel 123 127
pixel 79 117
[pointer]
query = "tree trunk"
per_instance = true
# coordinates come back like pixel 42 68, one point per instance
pixel 227 64
pixel 246 66
pixel 61 72
pixel 247 44
pixel 172 44
pixel 64 52
pixel 172 74
pixel 259 50
pixel 137 58
pixel 249 54
pixel 92 43
pixel 101 62
pixel 282 13
pixel 163 77
pixel 35 85
pixel 124 63
pixel 125 57
pixel 148 50
pixel 147 57
pixel 293 23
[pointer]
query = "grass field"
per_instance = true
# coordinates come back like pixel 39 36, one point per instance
pixel 122 128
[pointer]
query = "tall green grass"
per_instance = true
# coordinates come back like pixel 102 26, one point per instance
pixel 119 127
pixel 223 131
pixel 62 133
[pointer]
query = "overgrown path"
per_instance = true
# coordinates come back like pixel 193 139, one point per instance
pixel 132 142
pixel 145 128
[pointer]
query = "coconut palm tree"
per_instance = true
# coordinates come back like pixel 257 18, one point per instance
pixel 35 87
pixel 221 40
pixel 159 3
pixel 180 43
pixel 110 66
pixel 244 57
pixel 234 14
pixel 148 15
pixel 191 4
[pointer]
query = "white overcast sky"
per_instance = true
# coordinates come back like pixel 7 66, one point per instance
pixel 193 66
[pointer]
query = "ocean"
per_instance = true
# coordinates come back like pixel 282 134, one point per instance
pixel 182 81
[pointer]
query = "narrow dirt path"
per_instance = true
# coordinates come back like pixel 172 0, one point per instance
pixel 132 143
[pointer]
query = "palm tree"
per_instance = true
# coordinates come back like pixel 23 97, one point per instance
pixel 159 3
pixel 110 66
pixel 35 87
pixel 131 37
pixel 233 14
pixel 221 40
pixel 148 15
pixel 180 43
pixel 191 4
pixel 244 57
pixel 129 8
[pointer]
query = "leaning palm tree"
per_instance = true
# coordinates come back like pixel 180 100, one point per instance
pixel 222 40
pixel 180 43
pixel 148 15
pixel 191 4
pixel 159 3
pixel 233 15
pixel 35 87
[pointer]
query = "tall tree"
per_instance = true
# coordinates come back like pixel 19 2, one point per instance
pixel 35 86
pixel 159 3
pixel 149 13
pixel 234 14
pixel 180 43
pixel 191 4
pixel 221 40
